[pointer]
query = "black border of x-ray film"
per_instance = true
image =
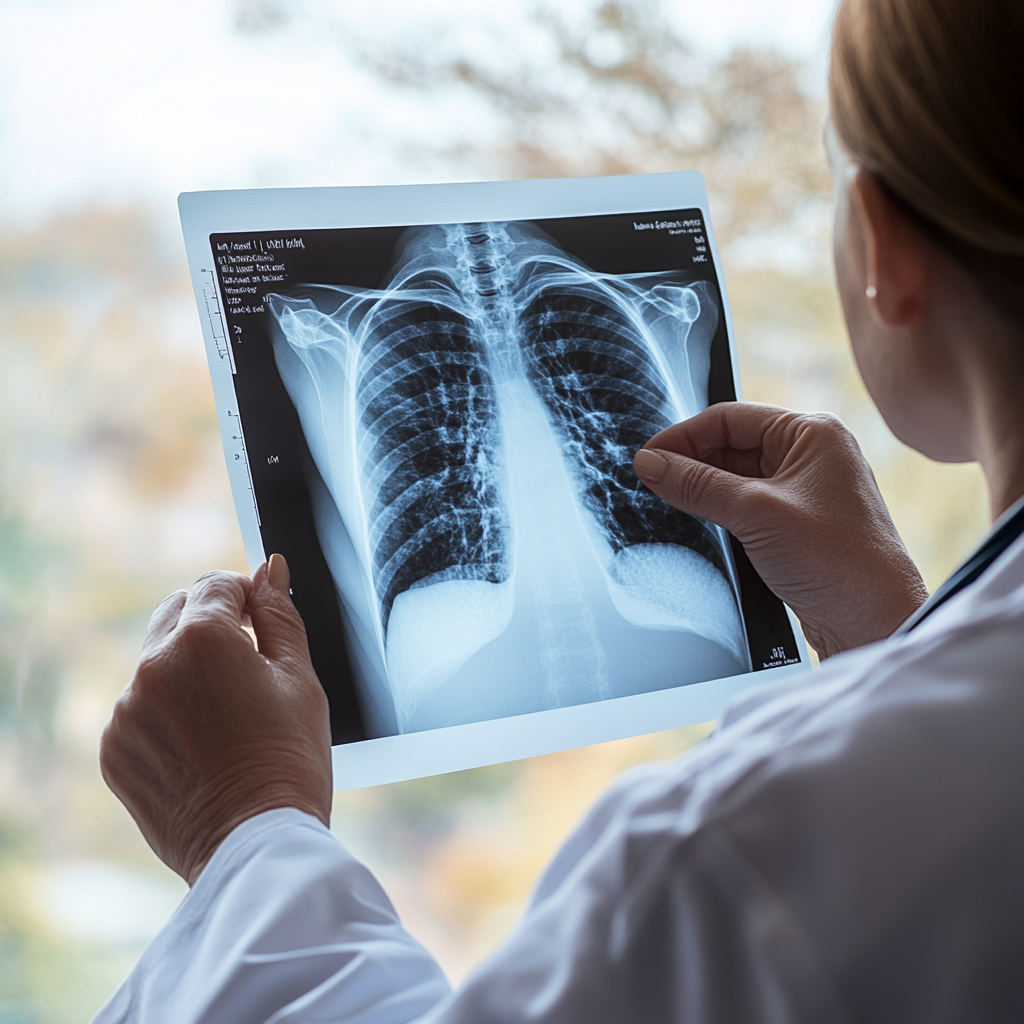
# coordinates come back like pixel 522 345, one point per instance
pixel 282 469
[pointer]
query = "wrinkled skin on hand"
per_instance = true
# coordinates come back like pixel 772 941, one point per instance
pixel 797 493
pixel 212 731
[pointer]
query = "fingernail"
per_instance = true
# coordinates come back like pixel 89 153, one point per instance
pixel 649 465
pixel 278 575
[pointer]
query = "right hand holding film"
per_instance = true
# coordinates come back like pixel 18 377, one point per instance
pixel 796 491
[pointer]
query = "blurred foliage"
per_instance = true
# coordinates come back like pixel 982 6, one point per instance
pixel 29 666
pixel 430 804
pixel 253 17
pixel 83 299
pixel 620 90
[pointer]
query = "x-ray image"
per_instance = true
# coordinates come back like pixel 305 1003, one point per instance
pixel 429 398
pixel 471 423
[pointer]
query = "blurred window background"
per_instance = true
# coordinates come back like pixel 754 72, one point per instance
pixel 112 484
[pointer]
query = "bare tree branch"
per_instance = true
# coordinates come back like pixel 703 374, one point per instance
pixel 627 93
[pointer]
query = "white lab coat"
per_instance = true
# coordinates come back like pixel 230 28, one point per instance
pixel 849 846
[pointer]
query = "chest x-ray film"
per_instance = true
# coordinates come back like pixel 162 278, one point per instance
pixel 430 398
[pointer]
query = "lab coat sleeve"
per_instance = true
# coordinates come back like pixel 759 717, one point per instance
pixel 283 925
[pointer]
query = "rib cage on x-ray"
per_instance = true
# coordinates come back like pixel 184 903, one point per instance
pixel 473 421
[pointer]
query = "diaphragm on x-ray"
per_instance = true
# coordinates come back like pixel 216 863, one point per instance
pixel 473 421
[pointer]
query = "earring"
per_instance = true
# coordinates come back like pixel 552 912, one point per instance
pixel 871 291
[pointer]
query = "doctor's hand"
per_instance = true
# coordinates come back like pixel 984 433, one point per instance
pixel 797 493
pixel 212 731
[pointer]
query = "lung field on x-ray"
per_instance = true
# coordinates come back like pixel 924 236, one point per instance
pixel 427 435
pixel 473 422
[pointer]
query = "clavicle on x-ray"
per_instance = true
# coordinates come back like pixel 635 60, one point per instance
pixel 472 422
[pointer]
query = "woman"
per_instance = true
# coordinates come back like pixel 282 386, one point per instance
pixel 848 846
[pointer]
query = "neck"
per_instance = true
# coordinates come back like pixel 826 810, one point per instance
pixel 996 388
pixel 1004 471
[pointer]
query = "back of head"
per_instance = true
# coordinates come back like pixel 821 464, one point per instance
pixel 928 95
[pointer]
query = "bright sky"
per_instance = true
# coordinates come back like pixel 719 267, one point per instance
pixel 123 100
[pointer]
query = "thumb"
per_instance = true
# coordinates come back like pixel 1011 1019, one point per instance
pixel 695 487
pixel 279 630
pixel 164 620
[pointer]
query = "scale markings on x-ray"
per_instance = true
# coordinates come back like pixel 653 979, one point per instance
pixel 239 454
pixel 236 450
pixel 212 303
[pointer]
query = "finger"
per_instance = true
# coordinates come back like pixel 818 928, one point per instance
pixel 164 619
pixel 695 487
pixel 740 463
pixel 728 425
pixel 217 595
pixel 280 633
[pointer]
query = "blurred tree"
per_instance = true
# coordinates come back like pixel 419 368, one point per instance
pixel 620 90
pixel 252 17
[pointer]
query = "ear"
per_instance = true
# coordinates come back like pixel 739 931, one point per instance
pixel 895 257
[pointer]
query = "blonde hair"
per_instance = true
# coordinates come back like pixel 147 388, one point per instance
pixel 928 95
